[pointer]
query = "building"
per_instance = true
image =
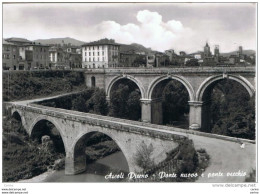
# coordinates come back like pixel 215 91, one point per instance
pixel 58 58
pixel 207 52
pixel 18 41
pixel 171 54
pixel 100 54
pixel 10 56
pixel 33 56
pixel 132 59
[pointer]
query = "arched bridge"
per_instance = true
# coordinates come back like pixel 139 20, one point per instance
pixel 197 80
pixel 75 127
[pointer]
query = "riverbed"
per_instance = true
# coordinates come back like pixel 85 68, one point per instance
pixel 95 171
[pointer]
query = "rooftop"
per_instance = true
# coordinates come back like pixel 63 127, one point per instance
pixel 9 43
pixel 14 39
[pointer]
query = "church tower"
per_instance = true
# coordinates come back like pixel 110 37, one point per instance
pixel 207 51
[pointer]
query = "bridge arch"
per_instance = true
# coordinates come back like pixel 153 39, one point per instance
pixel 51 120
pixel 181 79
pixel 205 84
pixel 79 155
pixel 129 77
pixel 15 113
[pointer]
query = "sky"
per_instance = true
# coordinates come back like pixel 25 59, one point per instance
pixel 160 26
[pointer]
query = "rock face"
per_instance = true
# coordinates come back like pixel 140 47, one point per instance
pixel 47 144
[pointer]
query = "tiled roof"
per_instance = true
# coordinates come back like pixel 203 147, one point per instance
pixel 9 43
pixel 17 39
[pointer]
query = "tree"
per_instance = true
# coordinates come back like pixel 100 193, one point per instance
pixel 118 101
pixel 133 105
pixel 78 104
pixel 232 110
pixel 175 98
pixel 97 103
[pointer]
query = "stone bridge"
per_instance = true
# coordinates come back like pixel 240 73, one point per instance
pixel 198 81
pixel 75 128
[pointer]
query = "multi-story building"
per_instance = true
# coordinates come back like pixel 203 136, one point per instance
pixel 10 56
pixel 33 56
pixel 58 58
pixel 100 54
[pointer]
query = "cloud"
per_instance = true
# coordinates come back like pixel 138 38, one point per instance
pixel 150 31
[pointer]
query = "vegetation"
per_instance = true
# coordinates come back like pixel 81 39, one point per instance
pixel 125 102
pixel 143 156
pixel 24 85
pixel 232 110
pixel 23 158
pixel 92 100
pixel 251 177
pixel 182 160
pixel 99 145
pixel 175 102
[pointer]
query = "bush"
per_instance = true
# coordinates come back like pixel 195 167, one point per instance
pixel 143 156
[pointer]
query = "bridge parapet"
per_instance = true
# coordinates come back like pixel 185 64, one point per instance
pixel 130 126
pixel 201 69
pixel 102 121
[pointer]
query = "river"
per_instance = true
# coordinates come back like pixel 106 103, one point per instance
pixel 95 171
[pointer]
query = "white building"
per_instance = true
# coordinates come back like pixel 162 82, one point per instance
pixel 100 54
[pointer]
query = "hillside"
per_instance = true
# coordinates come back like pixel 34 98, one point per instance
pixel 245 52
pixel 135 47
pixel 66 40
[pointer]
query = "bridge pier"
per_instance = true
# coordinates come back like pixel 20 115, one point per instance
pixel 152 111
pixel 75 165
pixel 200 115
pixel 195 115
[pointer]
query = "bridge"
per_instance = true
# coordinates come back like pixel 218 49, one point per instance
pixel 75 128
pixel 198 81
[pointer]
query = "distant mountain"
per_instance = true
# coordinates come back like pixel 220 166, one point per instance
pixel 134 47
pixel 61 41
pixel 245 52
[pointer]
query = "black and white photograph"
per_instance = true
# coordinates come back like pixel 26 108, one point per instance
pixel 129 93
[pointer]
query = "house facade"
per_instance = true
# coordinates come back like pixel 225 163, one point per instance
pixel 100 54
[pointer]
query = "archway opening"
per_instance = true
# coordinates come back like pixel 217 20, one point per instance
pixel 125 98
pixel 97 153
pixel 16 123
pixel 170 104
pixel 45 131
pixel 93 81
pixel 228 109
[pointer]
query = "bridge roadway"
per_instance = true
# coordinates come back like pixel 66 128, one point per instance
pixel 226 155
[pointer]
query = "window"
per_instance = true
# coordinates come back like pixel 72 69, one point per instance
pixel 89 59
pixel 93 53
pixel 14 56
pixel 98 53
pixel 7 56
pixel 85 53
pixel 103 53
pixel 103 58
pixel 89 53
